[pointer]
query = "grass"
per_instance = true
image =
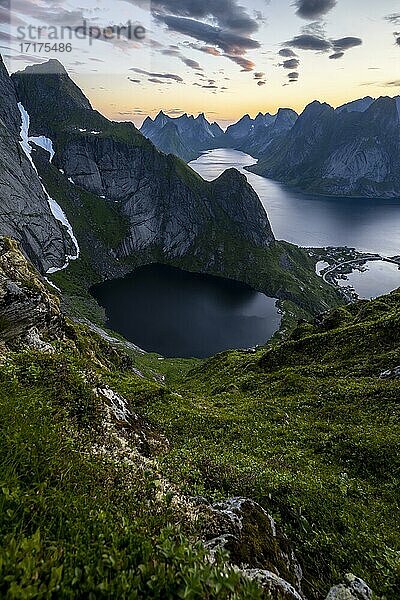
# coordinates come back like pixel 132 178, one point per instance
pixel 308 429
pixel 73 525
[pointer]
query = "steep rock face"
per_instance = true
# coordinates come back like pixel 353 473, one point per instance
pixel 240 130
pixel 25 211
pixel 168 140
pixel 360 105
pixel 30 315
pixel 353 151
pixel 267 129
pixel 168 205
pixel 184 136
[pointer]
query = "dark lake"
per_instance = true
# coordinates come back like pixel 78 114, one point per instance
pixel 181 314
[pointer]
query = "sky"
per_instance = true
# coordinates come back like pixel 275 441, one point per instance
pixel 225 58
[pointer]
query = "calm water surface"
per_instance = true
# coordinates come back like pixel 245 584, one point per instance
pixel 175 313
pixel 379 278
pixel 369 225
pixel 314 221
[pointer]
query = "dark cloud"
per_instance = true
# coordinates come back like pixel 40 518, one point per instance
pixel 286 53
pixel 193 64
pixel 225 27
pixel 227 14
pixel 260 83
pixel 318 43
pixel 309 42
pixel 313 9
pixel 293 77
pixel 134 80
pixel 228 41
pixel 336 55
pixel 48 11
pixel 172 76
pixel 291 63
pixel 395 83
pixel 245 63
pixel 154 80
pixel 394 18
pixel 170 52
pixel 346 43
pixel 259 75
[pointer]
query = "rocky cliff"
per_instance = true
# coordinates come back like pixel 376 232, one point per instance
pixel 26 211
pixel 184 136
pixel 350 151
pixel 167 204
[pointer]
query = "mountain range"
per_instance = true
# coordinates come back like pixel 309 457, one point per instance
pixel 353 150
pixel 115 202
pixel 185 136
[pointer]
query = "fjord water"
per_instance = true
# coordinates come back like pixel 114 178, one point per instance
pixel 180 314
pixel 370 225
pixel 376 278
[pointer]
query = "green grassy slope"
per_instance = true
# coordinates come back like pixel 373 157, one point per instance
pixel 305 427
pixel 309 430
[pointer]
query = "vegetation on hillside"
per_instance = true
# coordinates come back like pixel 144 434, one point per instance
pixel 305 427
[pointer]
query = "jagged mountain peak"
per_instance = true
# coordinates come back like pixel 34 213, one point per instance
pixel 360 105
pixel 51 67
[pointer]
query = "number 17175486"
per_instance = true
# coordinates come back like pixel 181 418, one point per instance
pixel 47 47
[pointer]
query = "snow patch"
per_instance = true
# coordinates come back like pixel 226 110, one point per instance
pixel 55 208
pixel 71 180
pixel 53 285
pixel 44 143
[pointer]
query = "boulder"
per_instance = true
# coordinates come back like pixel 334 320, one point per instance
pixel 353 588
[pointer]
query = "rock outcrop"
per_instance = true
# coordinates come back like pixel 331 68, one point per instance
pixel 184 136
pixel 30 315
pixel 25 212
pixel 350 151
pixel 353 588
pixel 255 544
pixel 168 205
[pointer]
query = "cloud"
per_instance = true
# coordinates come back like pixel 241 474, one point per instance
pixel 228 41
pixel 293 77
pixel 394 18
pixel 154 80
pixel 245 63
pixel 309 42
pixel 227 14
pixel 193 64
pixel 346 43
pixel 134 80
pixel 259 75
pixel 313 9
pixel 395 83
pixel 260 83
pixel 286 53
pixel 225 27
pixel 336 55
pixel 318 43
pixel 170 52
pixel 291 63
pixel 172 76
